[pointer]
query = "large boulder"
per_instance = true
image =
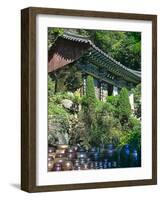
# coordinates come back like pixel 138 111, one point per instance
pixel 68 104
pixel 58 130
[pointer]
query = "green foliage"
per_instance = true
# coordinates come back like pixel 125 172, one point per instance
pixel 89 102
pixel 137 99
pixel 124 108
pixel 54 110
pixel 122 46
pixel 113 102
pixel 68 79
pixel 73 80
pixel 76 99
pixel 133 135
pixel 90 92
pixel 51 88
pixel 97 122
pixel 106 128
pixel 59 96
pixel 53 33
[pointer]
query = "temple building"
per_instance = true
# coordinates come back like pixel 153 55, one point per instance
pixel 109 75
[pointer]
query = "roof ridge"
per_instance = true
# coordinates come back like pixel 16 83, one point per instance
pixel 80 38
pixel 75 35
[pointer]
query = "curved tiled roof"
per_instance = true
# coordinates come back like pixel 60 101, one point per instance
pixel 94 53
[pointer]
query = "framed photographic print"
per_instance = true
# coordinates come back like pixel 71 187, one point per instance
pixel 88 99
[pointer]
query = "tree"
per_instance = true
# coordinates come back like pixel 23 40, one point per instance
pixel 122 46
pixel 53 33
pixel 90 93
pixel 132 135
pixel 67 79
pixel 124 108
pixel 51 88
pixel 74 78
pixel 113 102
pixel 107 127
pixel 88 109
pixel 89 101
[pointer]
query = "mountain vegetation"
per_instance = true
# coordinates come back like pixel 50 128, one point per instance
pixel 85 120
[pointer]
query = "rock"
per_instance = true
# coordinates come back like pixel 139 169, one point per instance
pixel 67 104
pixel 70 105
pixel 58 130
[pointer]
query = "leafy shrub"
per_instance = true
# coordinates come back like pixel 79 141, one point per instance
pixel 51 88
pixel 132 135
pixel 106 127
pixel 59 96
pixel 124 108
pixel 54 110
pixel 76 98
pixel 90 94
pixel 96 123
pixel 89 103
pixel 113 100
pixel 137 99
pixel 53 33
